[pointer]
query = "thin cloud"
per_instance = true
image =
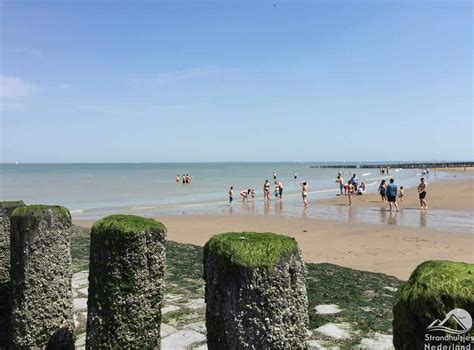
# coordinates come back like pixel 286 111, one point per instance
pixel 173 77
pixel 14 87
pixel 106 109
pixel 28 51
pixel 64 85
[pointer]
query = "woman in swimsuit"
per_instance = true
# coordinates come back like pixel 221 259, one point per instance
pixel 350 191
pixel 383 190
pixel 304 193
pixel 266 190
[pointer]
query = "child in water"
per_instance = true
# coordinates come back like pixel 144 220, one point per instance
pixel 253 193
pixel 231 195
pixel 400 194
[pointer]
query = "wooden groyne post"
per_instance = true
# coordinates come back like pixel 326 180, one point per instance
pixel 6 209
pixel 255 292
pixel 41 274
pixel 126 271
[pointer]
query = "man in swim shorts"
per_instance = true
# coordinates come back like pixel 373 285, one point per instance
pixel 422 193
pixel 392 194
pixel 280 189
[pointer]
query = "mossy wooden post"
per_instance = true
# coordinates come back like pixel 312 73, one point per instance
pixel 433 290
pixel 6 209
pixel 125 283
pixel 41 273
pixel 255 292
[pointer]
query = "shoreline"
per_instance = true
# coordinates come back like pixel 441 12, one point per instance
pixel 390 249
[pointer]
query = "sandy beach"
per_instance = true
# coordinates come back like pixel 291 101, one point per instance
pixel 440 195
pixel 393 250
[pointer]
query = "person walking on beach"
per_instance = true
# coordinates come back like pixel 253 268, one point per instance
pixel 280 189
pixel 304 193
pixel 231 195
pixel 392 194
pixel 266 190
pixel 355 181
pixel 383 191
pixel 422 193
pixel 340 180
pixel 350 191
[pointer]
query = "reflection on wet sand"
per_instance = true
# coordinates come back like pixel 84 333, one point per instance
pixel 423 218
pixel 392 218
pixel 438 219
pixel 279 208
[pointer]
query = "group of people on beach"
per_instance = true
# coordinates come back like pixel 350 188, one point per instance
pixel 352 186
pixel 277 192
pixel 388 191
pixel 185 178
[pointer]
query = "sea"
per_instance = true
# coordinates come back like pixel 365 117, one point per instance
pixel 91 191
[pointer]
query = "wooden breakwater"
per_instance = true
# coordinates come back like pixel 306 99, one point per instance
pixel 416 165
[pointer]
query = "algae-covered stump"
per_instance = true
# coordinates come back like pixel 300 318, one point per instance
pixel 433 290
pixel 127 257
pixel 6 209
pixel 41 278
pixel 255 292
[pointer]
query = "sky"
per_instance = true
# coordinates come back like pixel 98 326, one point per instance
pixel 236 81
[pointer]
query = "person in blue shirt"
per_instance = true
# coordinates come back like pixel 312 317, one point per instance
pixel 392 194
pixel 355 182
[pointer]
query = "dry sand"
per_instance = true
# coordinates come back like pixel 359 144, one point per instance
pixel 393 250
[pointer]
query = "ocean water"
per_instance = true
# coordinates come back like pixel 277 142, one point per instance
pixel 92 191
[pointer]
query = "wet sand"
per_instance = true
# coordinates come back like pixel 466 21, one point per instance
pixel 393 250
pixel 440 195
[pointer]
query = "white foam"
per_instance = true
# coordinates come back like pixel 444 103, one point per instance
pixel 77 211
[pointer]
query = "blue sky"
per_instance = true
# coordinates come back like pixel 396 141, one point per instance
pixel 216 81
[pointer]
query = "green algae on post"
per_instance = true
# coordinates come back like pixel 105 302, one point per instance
pixel 252 249
pixel 126 274
pixel 433 290
pixel 255 292
pixel 31 215
pixel 127 224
